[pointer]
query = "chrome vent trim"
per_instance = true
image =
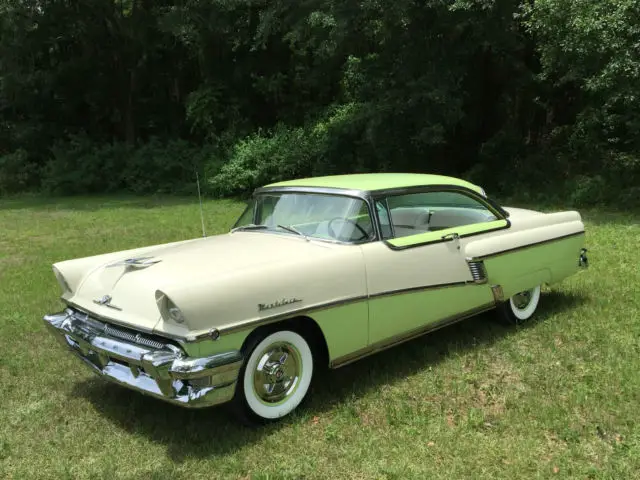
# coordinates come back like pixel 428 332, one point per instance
pixel 478 272
pixel 114 332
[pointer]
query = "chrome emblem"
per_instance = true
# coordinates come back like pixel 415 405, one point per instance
pixel 140 262
pixel 106 301
pixel 279 303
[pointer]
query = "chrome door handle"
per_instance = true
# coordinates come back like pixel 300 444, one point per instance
pixel 451 236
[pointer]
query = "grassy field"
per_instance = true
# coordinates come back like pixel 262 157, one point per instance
pixel 558 397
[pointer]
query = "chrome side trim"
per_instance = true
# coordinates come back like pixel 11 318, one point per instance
pixel 281 316
pixel 165 373
pixel 315 308
pixel 237 327
pixel 421 288
pixel 393 341
pixel 524 247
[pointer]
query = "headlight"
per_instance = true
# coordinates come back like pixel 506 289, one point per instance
pixel 168 309
pixel 61 281
pixel 175 313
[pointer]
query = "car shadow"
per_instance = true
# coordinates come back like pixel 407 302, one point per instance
pixel 215 431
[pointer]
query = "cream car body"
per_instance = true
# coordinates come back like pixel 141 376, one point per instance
pixel 175 320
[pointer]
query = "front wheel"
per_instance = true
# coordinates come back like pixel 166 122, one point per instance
pixel 521 306
pixel 275 377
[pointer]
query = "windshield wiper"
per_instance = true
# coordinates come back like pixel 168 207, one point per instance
pixel 291 229
pixel 249 227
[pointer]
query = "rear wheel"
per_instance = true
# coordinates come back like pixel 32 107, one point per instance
pixel 521 307
pixel 275 377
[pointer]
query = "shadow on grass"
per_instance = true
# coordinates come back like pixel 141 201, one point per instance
pixel 215 431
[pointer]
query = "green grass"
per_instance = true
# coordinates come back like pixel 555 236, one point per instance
pixel 477 400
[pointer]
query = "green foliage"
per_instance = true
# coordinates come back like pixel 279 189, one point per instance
pixel 17 172
pixel 167 167
pixel 522 96
pixel 320 148
pixel 260 159
pixel 79 166
pixel 590 47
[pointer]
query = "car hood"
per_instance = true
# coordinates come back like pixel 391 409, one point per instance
pixel 123 288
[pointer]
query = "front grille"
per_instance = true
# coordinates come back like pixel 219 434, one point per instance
pixel 478 272
pixel 137 338
pixel 119 332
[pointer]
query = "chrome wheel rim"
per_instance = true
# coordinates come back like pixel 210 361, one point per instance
pixel 523 299
pixel 277 373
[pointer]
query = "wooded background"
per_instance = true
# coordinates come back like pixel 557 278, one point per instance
pixel 538 99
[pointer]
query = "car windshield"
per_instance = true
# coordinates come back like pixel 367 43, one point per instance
pixel 320 216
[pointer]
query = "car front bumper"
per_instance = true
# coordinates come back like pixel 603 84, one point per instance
pixel 146 365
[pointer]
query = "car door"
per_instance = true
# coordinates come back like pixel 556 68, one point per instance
pixel 418 277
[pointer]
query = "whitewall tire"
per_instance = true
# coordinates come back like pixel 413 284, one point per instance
pixel 522 306
pixel 275 377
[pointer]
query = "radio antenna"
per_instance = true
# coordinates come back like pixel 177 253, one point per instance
pixel 204 233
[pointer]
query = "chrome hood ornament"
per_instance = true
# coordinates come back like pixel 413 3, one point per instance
pixel 106 301
pixel 140 262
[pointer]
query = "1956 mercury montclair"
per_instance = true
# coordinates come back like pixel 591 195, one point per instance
pixel 318 271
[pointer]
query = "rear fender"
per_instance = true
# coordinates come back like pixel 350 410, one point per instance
pixel 527 258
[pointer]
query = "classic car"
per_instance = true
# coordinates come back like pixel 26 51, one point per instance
pixel 316 272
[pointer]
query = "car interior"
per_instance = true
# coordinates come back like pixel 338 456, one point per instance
pixel 400 215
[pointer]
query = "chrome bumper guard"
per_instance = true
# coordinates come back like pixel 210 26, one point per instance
pixel 165 372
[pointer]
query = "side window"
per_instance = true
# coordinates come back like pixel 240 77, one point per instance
pixel 432 211
pixel 385 221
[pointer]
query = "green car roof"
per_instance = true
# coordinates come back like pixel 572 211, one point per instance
pixel 376 181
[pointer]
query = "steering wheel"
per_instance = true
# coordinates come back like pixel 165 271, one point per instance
pixel 333 233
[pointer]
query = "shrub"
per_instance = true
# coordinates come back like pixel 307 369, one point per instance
pixel 79 166
pixel 17 172
pixel 260 159
pixel 166 167
pixel 322 148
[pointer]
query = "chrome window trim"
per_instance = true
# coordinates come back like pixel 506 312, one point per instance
pixel 356 194
pixel 370 197
pixel 494 208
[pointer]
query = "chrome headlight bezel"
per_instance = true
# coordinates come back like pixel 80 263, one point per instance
pixel 64 285
pixel 169 311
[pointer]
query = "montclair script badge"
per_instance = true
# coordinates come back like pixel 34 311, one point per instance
pixel 279 303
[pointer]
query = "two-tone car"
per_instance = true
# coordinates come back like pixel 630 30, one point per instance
pixel 316 272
